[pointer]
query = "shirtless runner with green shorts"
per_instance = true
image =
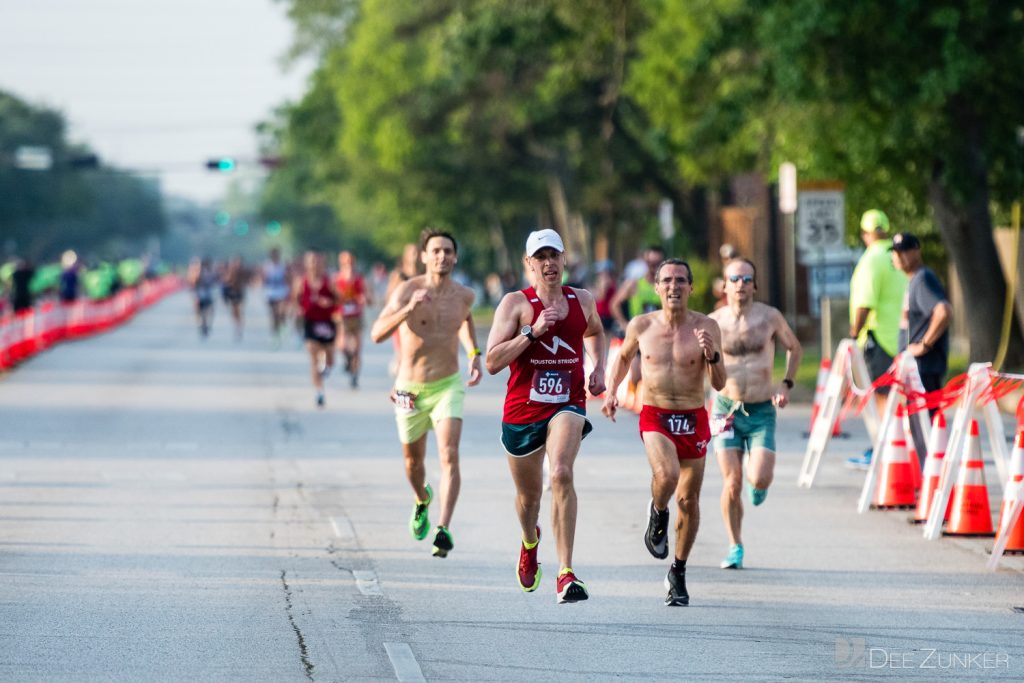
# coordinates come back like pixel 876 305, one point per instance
pixel 743 416
pixel 432 314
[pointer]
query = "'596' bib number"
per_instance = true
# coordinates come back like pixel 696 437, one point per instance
pixel 550 386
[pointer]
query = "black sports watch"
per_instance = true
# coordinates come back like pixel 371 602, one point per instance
pixel 788 382
pixel 714 359
pixel 527 331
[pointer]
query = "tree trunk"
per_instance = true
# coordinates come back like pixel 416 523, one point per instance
pixel 965 224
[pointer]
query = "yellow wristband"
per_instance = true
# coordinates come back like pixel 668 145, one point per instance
pixel 474 353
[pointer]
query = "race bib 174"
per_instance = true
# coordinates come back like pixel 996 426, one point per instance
pixel 678 424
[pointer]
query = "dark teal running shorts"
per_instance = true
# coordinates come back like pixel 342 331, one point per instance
pixel 755 429
pixel 520 440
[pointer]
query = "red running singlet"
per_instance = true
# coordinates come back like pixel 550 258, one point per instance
pixel 549 375
pixel 311 308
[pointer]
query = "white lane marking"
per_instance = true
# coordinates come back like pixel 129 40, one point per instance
pixel 343 530
pixel 407 669
pixel 366 582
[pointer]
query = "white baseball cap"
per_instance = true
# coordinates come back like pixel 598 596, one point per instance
pixel 539 239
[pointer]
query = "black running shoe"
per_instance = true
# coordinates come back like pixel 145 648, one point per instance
pixel 656 538
pixel 675 584
pixel 443 543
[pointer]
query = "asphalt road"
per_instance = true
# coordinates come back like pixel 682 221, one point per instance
pixel 175 509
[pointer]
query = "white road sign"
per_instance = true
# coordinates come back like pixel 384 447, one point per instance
pixel 820 222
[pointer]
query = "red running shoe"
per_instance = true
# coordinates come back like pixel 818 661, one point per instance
pixel 528 573
pixel 570 589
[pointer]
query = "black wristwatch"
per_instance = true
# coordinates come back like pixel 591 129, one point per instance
pixel 714 359
pixel 527 331
pixel 788 382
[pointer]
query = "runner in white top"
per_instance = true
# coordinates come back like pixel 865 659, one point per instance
pixel 277 289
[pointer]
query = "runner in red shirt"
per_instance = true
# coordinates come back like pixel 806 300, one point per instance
pixel 318 300
pixel 354 298
pixel 539 333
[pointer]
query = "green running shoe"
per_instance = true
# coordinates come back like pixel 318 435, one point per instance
pixel 419 523
pixel 757 496
pixel 443 542
pixel 734 560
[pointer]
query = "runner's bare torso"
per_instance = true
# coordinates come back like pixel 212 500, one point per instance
pixel 673 362
pixel 429 337
pixel 748 346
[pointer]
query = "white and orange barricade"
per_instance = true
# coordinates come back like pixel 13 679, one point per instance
pixel 933 462
pixel 1010 534
pixel 847 374
pixel 34 330
pixel 979 393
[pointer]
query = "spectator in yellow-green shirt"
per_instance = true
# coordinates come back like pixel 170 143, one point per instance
pixel 876 302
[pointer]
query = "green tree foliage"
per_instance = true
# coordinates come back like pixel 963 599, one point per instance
pixel 491 116
pixel 913 104
pixel 488 117
pixel 44 212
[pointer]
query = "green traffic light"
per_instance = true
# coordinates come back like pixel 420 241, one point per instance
pixel 274 228
pixel 242 228
pixel 222 218
pixel 226 164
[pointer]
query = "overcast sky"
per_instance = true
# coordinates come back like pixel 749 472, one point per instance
pixel 153 84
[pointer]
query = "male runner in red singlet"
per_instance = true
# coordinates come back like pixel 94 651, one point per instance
pixel 317 299
pixel 677 348
pixel 354 298
pixel 539 333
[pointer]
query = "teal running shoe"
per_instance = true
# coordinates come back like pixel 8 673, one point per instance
pixel 419 523
pixel 757 496
pixel 734 560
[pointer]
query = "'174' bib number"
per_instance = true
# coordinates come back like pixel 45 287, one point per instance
pixel 550 386
pixel 678 424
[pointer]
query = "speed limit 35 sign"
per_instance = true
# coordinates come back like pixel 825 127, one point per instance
pixel 821 222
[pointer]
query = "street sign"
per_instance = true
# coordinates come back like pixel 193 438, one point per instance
pixel 668 228
pixel 821 223
pixel 787 188
pixel 31 158
pixel 828 279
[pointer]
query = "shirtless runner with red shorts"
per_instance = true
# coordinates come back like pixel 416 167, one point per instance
pixel 677 348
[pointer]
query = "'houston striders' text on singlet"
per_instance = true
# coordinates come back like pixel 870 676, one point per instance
pixel 549 374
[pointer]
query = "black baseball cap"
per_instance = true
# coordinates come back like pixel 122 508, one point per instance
pixel 904 241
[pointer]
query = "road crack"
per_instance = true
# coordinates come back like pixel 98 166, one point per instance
pixel 289 610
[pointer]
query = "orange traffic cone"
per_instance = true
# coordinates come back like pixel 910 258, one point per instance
pixel 1015 543
pixel 938 439
pixel 896 482
pixel 915 461
pixel 971 514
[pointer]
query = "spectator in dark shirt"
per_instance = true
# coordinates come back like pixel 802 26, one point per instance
pixel 21 278
pixel 924 323
pixel 69 277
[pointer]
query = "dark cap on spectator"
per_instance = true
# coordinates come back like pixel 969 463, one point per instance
pixel 904 241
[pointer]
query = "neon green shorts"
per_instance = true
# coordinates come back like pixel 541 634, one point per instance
pixel 432 402
pixel 742 426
